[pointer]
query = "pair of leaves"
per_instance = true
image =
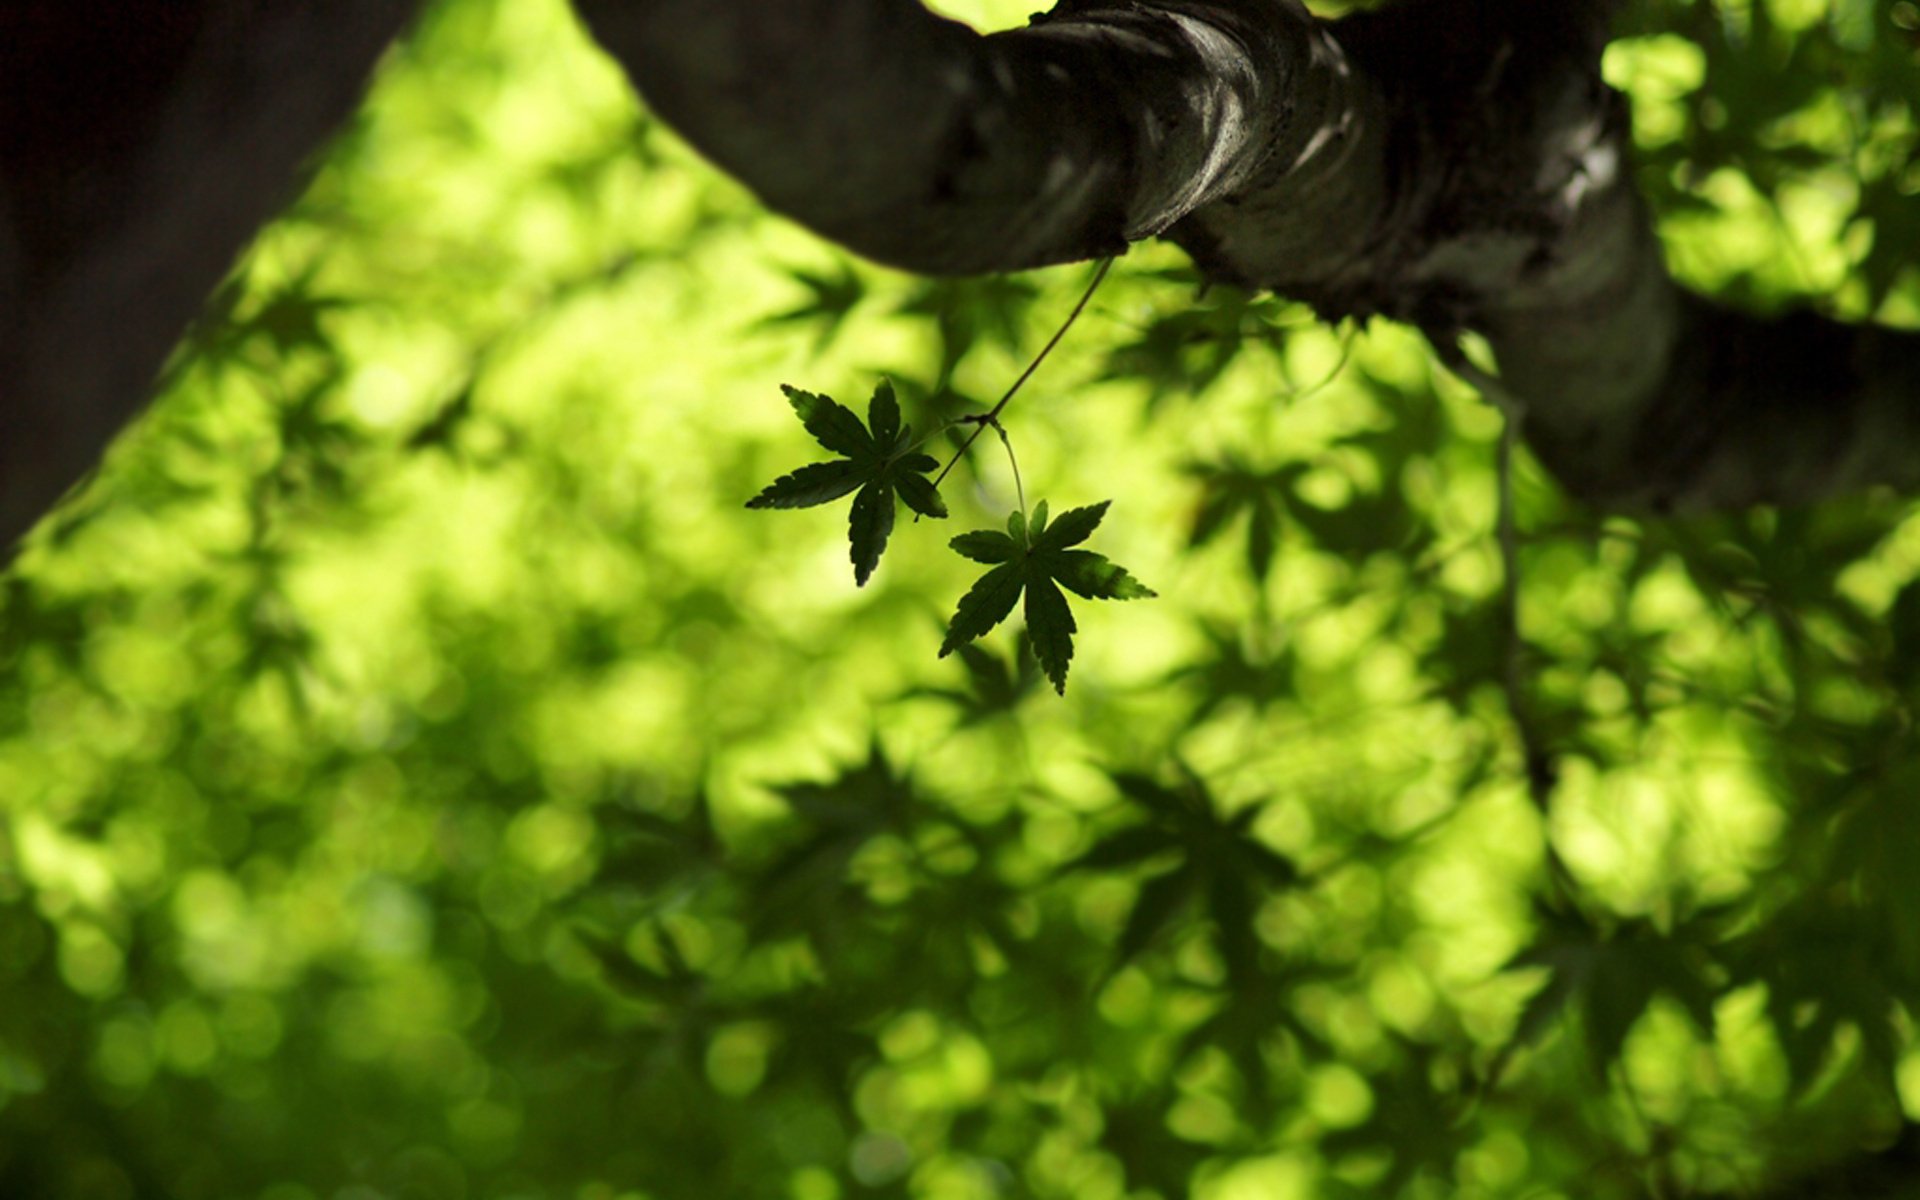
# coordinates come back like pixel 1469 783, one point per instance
pixel 879 461
pixel 1035 559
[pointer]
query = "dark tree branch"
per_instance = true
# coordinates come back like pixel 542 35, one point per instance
pixel 1457 164
pixel 1789 409
pixel 142 149
pixel 915 141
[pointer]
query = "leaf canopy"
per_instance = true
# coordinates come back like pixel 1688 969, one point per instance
pixel 419 779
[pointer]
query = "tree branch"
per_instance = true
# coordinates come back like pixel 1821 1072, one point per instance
pixel 917 142
pixel 1456 164
pixel 1787 409
pixel 142 151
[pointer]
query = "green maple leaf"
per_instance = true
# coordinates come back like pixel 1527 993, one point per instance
pixel 1233 486
pixel 1614 973
pixel 1031 559
pixel 881 463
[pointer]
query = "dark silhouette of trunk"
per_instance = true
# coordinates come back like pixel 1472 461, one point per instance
pixel 1457 164
pixel 141 148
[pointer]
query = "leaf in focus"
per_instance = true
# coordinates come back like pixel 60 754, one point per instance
pixel 1037 560
pixel 877 458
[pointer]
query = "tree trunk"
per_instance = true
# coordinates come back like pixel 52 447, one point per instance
pixel 1457 164
pixel 142 148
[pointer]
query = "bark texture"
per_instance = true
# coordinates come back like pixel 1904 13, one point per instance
pixel 1458 164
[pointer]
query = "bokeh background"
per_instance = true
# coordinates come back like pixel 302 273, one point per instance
pixel 422 779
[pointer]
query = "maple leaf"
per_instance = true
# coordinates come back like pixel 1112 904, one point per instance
pixel 1033 559
pixel 1221 865
pixel 970 312
pixel 996 686
pixel 1233 486
pixel 830 300
pixel 1614 973
pixel 879 461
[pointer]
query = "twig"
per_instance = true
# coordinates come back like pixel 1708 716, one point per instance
pixel 991 416
pixel 1346 356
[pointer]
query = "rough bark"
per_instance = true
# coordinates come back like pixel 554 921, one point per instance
pixel 1454 163
pixel 1458 164
pixel 141 148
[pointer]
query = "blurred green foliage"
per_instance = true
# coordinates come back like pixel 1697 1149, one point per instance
pixel 419 779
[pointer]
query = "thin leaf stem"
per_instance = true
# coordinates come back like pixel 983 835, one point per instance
pixel 992 415
pixel 1019 489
